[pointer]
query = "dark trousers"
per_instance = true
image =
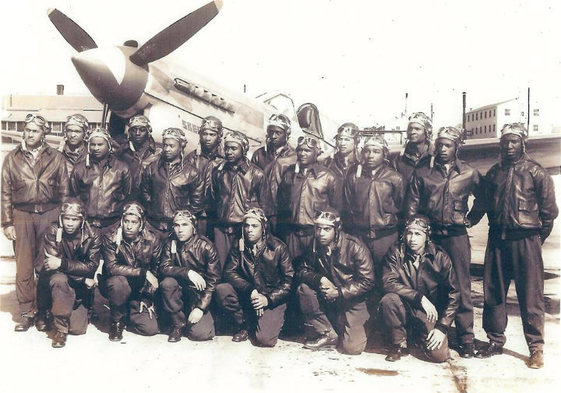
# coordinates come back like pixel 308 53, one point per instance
pixel 459 250
pixel 378 248
pixel 520 260
pixel 122 294
pixel 297 243
pixel 67 300
pixel 224 237
pixel 267 327
pixel 30 228
pixel 348 320
pixel 175 296
pixel 400 316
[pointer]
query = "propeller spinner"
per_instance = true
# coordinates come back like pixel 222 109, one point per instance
pixel 117 76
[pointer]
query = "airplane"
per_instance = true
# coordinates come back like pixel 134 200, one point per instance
pixel 129 80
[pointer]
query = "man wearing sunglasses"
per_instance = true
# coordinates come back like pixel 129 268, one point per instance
pixel 336 274
pixel 34 183
pixel 74 148
pixel 140 151
pixel 306 187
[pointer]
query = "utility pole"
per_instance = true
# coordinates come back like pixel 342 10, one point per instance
pixel 464 110
pixel 528 121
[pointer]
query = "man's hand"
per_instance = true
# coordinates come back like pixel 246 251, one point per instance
pixel 51 262
pixel 151 278
pixel 197 279
pixel 429 308
pixel 328 289
pixel 195 316
pixel 258 301
pixel 90 283
pixel 10 232
pixel 468 223
pixel 435 339
pixel 149 309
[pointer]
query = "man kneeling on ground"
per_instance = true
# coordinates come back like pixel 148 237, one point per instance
pixel 422 294
pixel 258 276
pixel 189 272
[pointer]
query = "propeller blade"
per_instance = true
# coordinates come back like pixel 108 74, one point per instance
pixel 71 31
pixel 176 34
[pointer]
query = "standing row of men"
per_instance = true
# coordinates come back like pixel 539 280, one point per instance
pixel 250 209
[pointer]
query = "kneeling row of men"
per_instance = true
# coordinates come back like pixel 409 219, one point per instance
pixel 334 278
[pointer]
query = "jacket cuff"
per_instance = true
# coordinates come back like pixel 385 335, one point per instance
pixel 63 264
pixel 317 281
pixel 143 271
pixel 417 298
pixel 442 327
pixel 269 301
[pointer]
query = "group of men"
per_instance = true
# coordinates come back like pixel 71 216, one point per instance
pixel 354 237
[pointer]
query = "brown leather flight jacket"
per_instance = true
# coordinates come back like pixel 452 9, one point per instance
pixel 406 163
pixel 444 197
pixel 301 196
pixel 349 268
pixel 435 279
pixel 73 158
pixel 103 186
pixel 138 161
pixel 270 271
pixel 373 201
pixel 520 196
pixel 80 253
pixel 234 189
pixel 32 187
pixel 166 189
pixel 198 254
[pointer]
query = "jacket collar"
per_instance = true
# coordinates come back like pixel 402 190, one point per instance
pixel 457 165
pixel 505 164
pixel 242 166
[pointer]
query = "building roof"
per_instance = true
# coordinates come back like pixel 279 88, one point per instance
pixel 491 105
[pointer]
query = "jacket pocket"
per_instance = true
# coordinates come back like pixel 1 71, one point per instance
pixel 528 213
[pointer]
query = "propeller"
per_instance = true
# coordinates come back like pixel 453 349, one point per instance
pixel 71 31
pixel 176 34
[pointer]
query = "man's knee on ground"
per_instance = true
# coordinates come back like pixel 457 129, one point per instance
pixel 78 330
pixel 201 334
pixel 266 339
pixel 352 345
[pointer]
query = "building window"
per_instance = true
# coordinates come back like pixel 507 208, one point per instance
pixel 485 114
pixel 522 113
pixel 485 129
pixel 20 125
pixel 11 126
pixel 536 112
pixel 536 128
pixel 494 129
pixel 494 113
pixel 507 112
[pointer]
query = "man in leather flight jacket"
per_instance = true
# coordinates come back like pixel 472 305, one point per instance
pixel 34 183
pixel 336 276
pixel 257 280
pixel 305 188
pixel 70 255
pixel 102 182
pixel 74 148
pixel 169 183
pixel 422 294
pixel 521 208
pixel 131 254
pixel 372 202
pixel 441 191
pixel 189 272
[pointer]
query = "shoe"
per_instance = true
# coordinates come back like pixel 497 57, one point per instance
pixel 116 331
pixel 241 335
pixel 41 323
pixel 59 340
pixel 466 351
pixel 396 353
pixel 175 334
pixel 491 349
pixel 326 340
pixel 24 324
pixel 536 359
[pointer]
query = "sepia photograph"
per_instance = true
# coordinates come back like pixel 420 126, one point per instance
pixel 245 195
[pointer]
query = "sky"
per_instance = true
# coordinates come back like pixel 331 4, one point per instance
pixel 354 59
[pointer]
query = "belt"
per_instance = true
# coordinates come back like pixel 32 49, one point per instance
pixel 36 208
pixel 377 233
pixel 449 230
pixel 102 222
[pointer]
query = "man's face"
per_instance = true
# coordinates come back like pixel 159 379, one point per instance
pixel 171 149
pixel 372 156
pixel 139 135
pixel 416 133
pixel 345 144
pixel 306 155
pixel 99 148
pixel 277 136
pixel 445 150
pixel 183 229
pixel 33 135
pixel 511 146
pixel 131 226
pixel 70 224
pixel 74 135
pixel 208 139
pixel 325 234
pixel 252 229
pixel 232 151
pixel 415 239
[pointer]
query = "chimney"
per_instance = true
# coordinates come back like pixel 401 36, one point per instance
pixel 59 90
